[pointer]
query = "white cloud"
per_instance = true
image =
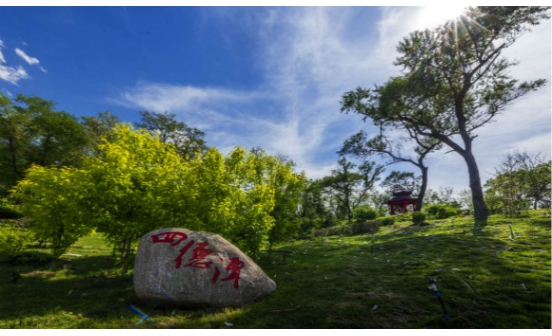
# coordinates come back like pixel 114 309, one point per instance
pixel 309 60
pixel 2 59
pixel 214 110
pixel 12 75
pixel 30 60
pixel 8 73
pixel 165 97
pixel 309 57
pixel 15 74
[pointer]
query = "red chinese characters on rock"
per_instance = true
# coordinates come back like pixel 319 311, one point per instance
pixel 168 237
pixel 198 255
pixel 234 267
pixel 182 251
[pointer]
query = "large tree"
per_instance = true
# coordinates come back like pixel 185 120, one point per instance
pixel 508 185
pixel 383 144
pixel 522 179
pixel 137 184
pixel 98 128
pixel 187 140
pixel 277 172
pixel 32 131
pixel 536 174
pixel 454 81
pixel 313 212
pixel 349 186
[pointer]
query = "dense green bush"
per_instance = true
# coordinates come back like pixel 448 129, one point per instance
pixel 389 220
pixel 306 226
pixel 447 212
pixel 139 184
pixel 329 221
pixel 418 218
pixel 13 240
pixel 365 213
pixel 441 211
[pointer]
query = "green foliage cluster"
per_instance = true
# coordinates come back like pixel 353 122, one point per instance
pixel 349 229
pixel 523 181
pixel 53 200
pixel 308 225
pixel 137 183
pixel 364 213
pixel 186 140
pixel 33 132
pixel 387 221
pixel 348 187
pixel 441 211
pixel 418 218
pixel 13 240
pixel 313 213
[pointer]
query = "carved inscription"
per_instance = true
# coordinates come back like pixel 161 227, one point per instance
pixel 198 255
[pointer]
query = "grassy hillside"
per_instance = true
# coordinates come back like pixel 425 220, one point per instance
pixel 486 281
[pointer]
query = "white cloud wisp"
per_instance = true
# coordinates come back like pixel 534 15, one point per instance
pixel 309 57
pixel 12 74
pixel 30 60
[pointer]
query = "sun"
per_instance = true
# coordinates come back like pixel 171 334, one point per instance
pixel 429 17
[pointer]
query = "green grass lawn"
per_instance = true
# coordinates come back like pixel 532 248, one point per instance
pixel 486 281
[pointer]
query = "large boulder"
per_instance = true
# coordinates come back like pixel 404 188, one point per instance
pixel 190 269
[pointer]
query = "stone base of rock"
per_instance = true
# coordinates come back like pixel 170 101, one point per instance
pixel 179 267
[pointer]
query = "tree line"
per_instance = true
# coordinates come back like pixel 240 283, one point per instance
pixel 73 177
pixel 453 82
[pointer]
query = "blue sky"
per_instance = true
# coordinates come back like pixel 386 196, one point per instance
pixel 256 76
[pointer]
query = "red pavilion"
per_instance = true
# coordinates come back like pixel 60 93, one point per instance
pixel 401 200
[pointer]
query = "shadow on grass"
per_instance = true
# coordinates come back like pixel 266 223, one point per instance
pixel 479 226
pixel 479 288
pixel 83 286
pixel 326 283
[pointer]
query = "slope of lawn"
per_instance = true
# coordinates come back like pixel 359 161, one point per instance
pixel 486 279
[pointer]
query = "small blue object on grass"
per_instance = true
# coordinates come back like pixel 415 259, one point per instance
pixel 141 313
pixel 433 287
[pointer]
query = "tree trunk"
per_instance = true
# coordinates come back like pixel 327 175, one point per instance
pixel 423 187
pixel 57 243
pixel 14 159
pixel 348 206
pixel 125 256
pixel 480 211
pixel 45 149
